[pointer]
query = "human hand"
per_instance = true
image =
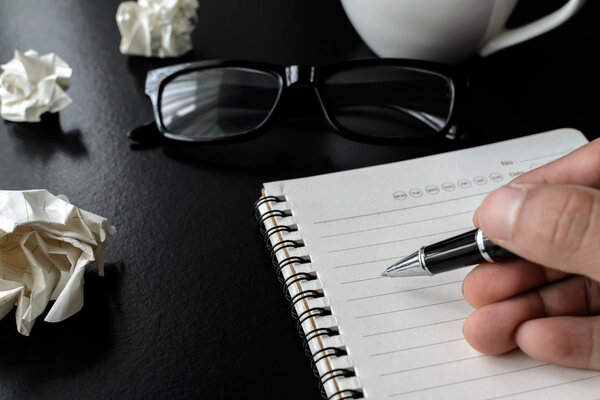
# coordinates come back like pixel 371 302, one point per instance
pixel 547 303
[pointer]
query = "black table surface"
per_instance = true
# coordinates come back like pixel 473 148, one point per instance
pixel 190 306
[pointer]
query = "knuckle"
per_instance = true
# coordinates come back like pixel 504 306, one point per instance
pixel 566 223
pixel 590 230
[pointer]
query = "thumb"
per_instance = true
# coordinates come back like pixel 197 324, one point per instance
pixel 557 226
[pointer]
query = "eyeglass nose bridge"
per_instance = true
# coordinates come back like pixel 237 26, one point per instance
pixel 300 75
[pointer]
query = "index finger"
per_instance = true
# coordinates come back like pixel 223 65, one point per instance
pixel 494 282
pixel 580 167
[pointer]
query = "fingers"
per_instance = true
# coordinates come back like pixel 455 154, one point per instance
pixel 490 283
pixel 580 167
pixel 568 341
pixel 492 328
pixel 551 217
pixel 553 225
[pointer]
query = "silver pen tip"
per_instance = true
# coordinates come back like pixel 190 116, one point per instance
pixel 408 266
pixel 384 273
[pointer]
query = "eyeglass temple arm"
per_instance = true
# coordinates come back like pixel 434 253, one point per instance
pixel 147 133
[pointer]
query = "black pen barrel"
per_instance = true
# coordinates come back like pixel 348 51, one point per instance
pixel 469 248
pixel 453 253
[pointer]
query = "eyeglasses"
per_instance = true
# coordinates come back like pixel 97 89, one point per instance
pixel 378 100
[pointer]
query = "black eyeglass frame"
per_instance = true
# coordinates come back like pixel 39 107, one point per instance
pixel 303 75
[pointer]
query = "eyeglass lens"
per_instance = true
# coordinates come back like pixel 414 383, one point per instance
pixel 214 103
pixel 389 101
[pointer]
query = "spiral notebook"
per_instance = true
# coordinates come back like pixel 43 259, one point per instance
pixel 373 337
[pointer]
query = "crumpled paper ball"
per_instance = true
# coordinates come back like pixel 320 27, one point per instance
pixel 156 28
pixel 45 245
pixel 31 85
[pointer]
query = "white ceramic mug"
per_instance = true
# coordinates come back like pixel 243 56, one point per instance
pixel 444 30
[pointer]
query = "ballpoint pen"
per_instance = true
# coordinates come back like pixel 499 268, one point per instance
pixel 466 249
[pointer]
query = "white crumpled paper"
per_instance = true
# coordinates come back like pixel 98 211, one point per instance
pixel 156 28
pixel 31 85
pixel 45 244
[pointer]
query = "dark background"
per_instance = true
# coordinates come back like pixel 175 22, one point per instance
pixel 190 306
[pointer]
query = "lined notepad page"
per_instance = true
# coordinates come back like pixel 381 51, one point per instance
pixel 404 335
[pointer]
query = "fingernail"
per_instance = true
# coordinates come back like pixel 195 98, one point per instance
pixel 498 213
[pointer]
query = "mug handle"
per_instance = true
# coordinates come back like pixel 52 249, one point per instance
pixel 506 38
